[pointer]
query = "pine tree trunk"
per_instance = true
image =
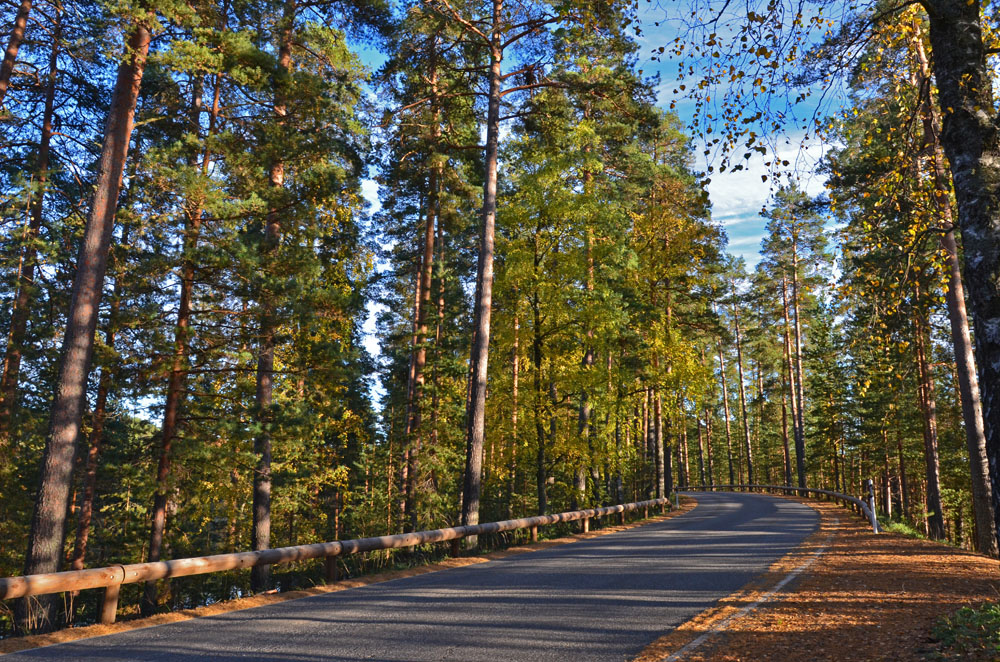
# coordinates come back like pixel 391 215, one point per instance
pixel 658 447
pixel 422 306
pixel 438 327
pixel 619 486
pixel 800 452
pixel 476 415
pixel 587 363
pixel 515 365
pixel 48 523
pixel 786 456
pixel 96 437
pixel 11 373
pixel 14 44
pixel 536 355
pixel 725 410
pixel 260 576
pixel 743 397
pixel 682 448
pixel 800 398
pixel 178 371
pixel 648 457
pixel 935 513
pixel 886 486
pixel 837 463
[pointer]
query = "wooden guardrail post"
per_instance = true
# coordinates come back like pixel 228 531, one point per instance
pixel 534 533
pixel 586 524
pixel 330 571
pixel 109 606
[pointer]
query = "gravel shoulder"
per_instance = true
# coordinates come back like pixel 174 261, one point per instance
pixel 863 598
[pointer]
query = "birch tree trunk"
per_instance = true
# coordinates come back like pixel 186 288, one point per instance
pixel 965 364
pixel 971 139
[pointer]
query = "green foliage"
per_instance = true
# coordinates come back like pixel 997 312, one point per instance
pixel 971 633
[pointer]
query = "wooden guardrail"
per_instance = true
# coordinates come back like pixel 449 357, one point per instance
pixel 112 577
pixel 866 509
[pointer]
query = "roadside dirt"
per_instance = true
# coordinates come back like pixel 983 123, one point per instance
pixel 14 645
pixel 864 598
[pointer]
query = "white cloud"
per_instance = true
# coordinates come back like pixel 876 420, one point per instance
pixel 738 196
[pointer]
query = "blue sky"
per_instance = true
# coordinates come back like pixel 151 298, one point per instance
pixel 737 197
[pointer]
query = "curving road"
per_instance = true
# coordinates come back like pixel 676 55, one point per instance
pixel 600 599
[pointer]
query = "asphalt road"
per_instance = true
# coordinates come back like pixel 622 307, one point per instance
pixel 599 599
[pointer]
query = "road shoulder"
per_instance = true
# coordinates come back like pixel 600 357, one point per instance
pixel 862 597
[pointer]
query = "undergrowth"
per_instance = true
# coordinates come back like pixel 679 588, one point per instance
pixel 971 634
pixel 902 528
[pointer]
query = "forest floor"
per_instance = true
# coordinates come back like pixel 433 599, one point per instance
pixel 856 597
pixel 15 644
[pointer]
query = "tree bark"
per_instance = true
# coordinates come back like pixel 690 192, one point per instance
pixel 476 415
pixel 701 453
pixel 179 370
pixel 260 576
pixel 794 392
pixel 800 404
pixel 515 369
pixel 972 413
pixel 925 391
pixel 658 448
pixel 96 437
pixel 971 140
pixel 708 447
pixel 725 409
pixel 743 397
pixel 11 373
pixel 786 456
pixel 682 448
pixel 48 523
pixel 13 45
pixel 423 304
pixel 536 355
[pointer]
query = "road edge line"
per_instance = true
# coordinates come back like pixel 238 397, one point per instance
pixel 724 623
pixel 680 641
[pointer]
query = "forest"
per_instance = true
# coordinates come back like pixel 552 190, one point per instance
pixel 275 272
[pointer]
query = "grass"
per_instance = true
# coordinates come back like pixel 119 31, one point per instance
pixel 902 528
pixel 971 634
